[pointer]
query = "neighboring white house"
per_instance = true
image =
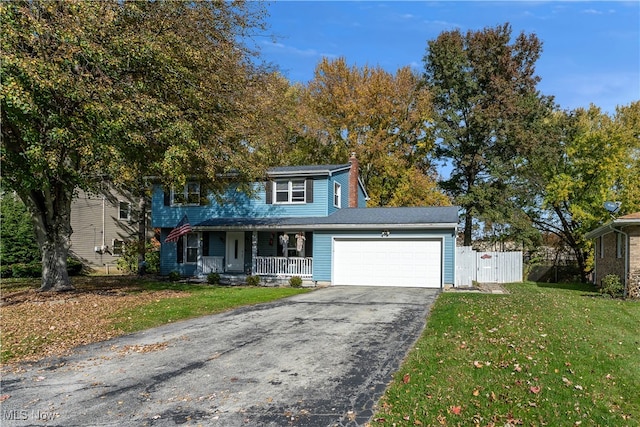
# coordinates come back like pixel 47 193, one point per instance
pixel 101 224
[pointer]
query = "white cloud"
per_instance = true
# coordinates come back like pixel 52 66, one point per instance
pixel 443 24
pixel 605 90
pixel 292 50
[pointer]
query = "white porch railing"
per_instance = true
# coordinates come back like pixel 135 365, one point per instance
pixel 211 264
pixel 283 266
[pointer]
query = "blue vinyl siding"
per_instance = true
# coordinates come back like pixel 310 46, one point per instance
pixel 322 256
pixel 168 261
pixel 362 201
pixel 449 258
pixel 217 243
pixel 322 249
pixel 238 205
pixel 342 179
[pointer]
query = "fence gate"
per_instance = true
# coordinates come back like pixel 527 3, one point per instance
pixel 487 267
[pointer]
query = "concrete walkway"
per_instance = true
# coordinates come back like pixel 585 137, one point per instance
pixel 318 359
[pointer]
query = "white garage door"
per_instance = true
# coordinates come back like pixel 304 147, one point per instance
pixel 387 262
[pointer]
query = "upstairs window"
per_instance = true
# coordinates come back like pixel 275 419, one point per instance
pixel 337 195
pixel 190 195
pixel 124 211
pixel 293 191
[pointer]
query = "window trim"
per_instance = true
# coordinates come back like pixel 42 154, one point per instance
pixel 290 192
pixel 185 194
pixel 120 218
pixel 337 194
pixel 186 247
pixel 120 244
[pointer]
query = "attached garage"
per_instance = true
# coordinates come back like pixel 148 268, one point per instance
pixel 386 261
pixel 409 247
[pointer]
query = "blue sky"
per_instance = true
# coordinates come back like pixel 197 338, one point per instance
pixel 591 50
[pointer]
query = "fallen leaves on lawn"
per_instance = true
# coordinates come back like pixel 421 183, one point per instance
pixel 455 409
pixel 41 324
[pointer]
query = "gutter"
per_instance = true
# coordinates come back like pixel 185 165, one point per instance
pixel 325 227
pixel 317 172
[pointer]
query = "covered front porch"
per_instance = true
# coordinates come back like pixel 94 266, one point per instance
pixel 277 254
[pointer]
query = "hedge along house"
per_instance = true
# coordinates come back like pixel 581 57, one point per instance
pixel 617 252
pixel 306 221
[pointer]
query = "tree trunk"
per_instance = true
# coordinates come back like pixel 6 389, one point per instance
pixel 468 223
pixel 51 213
pixel 55 276
pixel 581 257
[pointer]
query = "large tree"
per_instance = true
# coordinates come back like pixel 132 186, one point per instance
pixel 486 104
pixel 585 157
pixel 382 117
pixel 117 89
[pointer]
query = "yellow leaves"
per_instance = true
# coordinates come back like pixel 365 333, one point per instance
pixel 559 188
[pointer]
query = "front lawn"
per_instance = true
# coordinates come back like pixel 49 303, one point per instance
pixel 39 324
pixel 545 354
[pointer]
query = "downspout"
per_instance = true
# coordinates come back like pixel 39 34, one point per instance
pixel 103 223
pixel 626 257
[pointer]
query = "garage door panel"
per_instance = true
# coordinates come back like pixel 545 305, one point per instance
pixel 387 262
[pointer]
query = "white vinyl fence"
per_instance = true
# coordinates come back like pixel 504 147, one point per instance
pixel 487 267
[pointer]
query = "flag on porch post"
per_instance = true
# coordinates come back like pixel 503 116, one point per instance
pixel 181 229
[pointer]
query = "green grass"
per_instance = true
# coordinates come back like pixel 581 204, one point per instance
pixel 101 308
pixel 202 300
pixel 556 355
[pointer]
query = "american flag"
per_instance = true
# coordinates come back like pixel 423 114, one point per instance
pixel 181 229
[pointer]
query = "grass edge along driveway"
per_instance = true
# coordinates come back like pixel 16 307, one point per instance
pixel 545 354
pixel 37 325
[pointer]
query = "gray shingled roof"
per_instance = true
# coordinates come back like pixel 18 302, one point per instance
pixel 308 169
pixel 395 216
pixel 352 218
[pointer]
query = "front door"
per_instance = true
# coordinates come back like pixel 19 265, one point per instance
pixel 235 251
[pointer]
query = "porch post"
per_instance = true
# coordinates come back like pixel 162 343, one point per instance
pixel 254 250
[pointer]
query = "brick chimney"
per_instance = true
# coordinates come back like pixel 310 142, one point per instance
pixel 353 181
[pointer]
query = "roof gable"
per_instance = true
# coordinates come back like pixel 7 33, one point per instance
pixel 618 223
pixel 308 170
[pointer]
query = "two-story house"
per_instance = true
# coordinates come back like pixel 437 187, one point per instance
pixel 306 221
pixel 102 224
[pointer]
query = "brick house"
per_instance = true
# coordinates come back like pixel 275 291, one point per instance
pixel 617 251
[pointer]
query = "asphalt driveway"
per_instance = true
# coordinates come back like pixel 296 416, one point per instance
pixel 319 359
